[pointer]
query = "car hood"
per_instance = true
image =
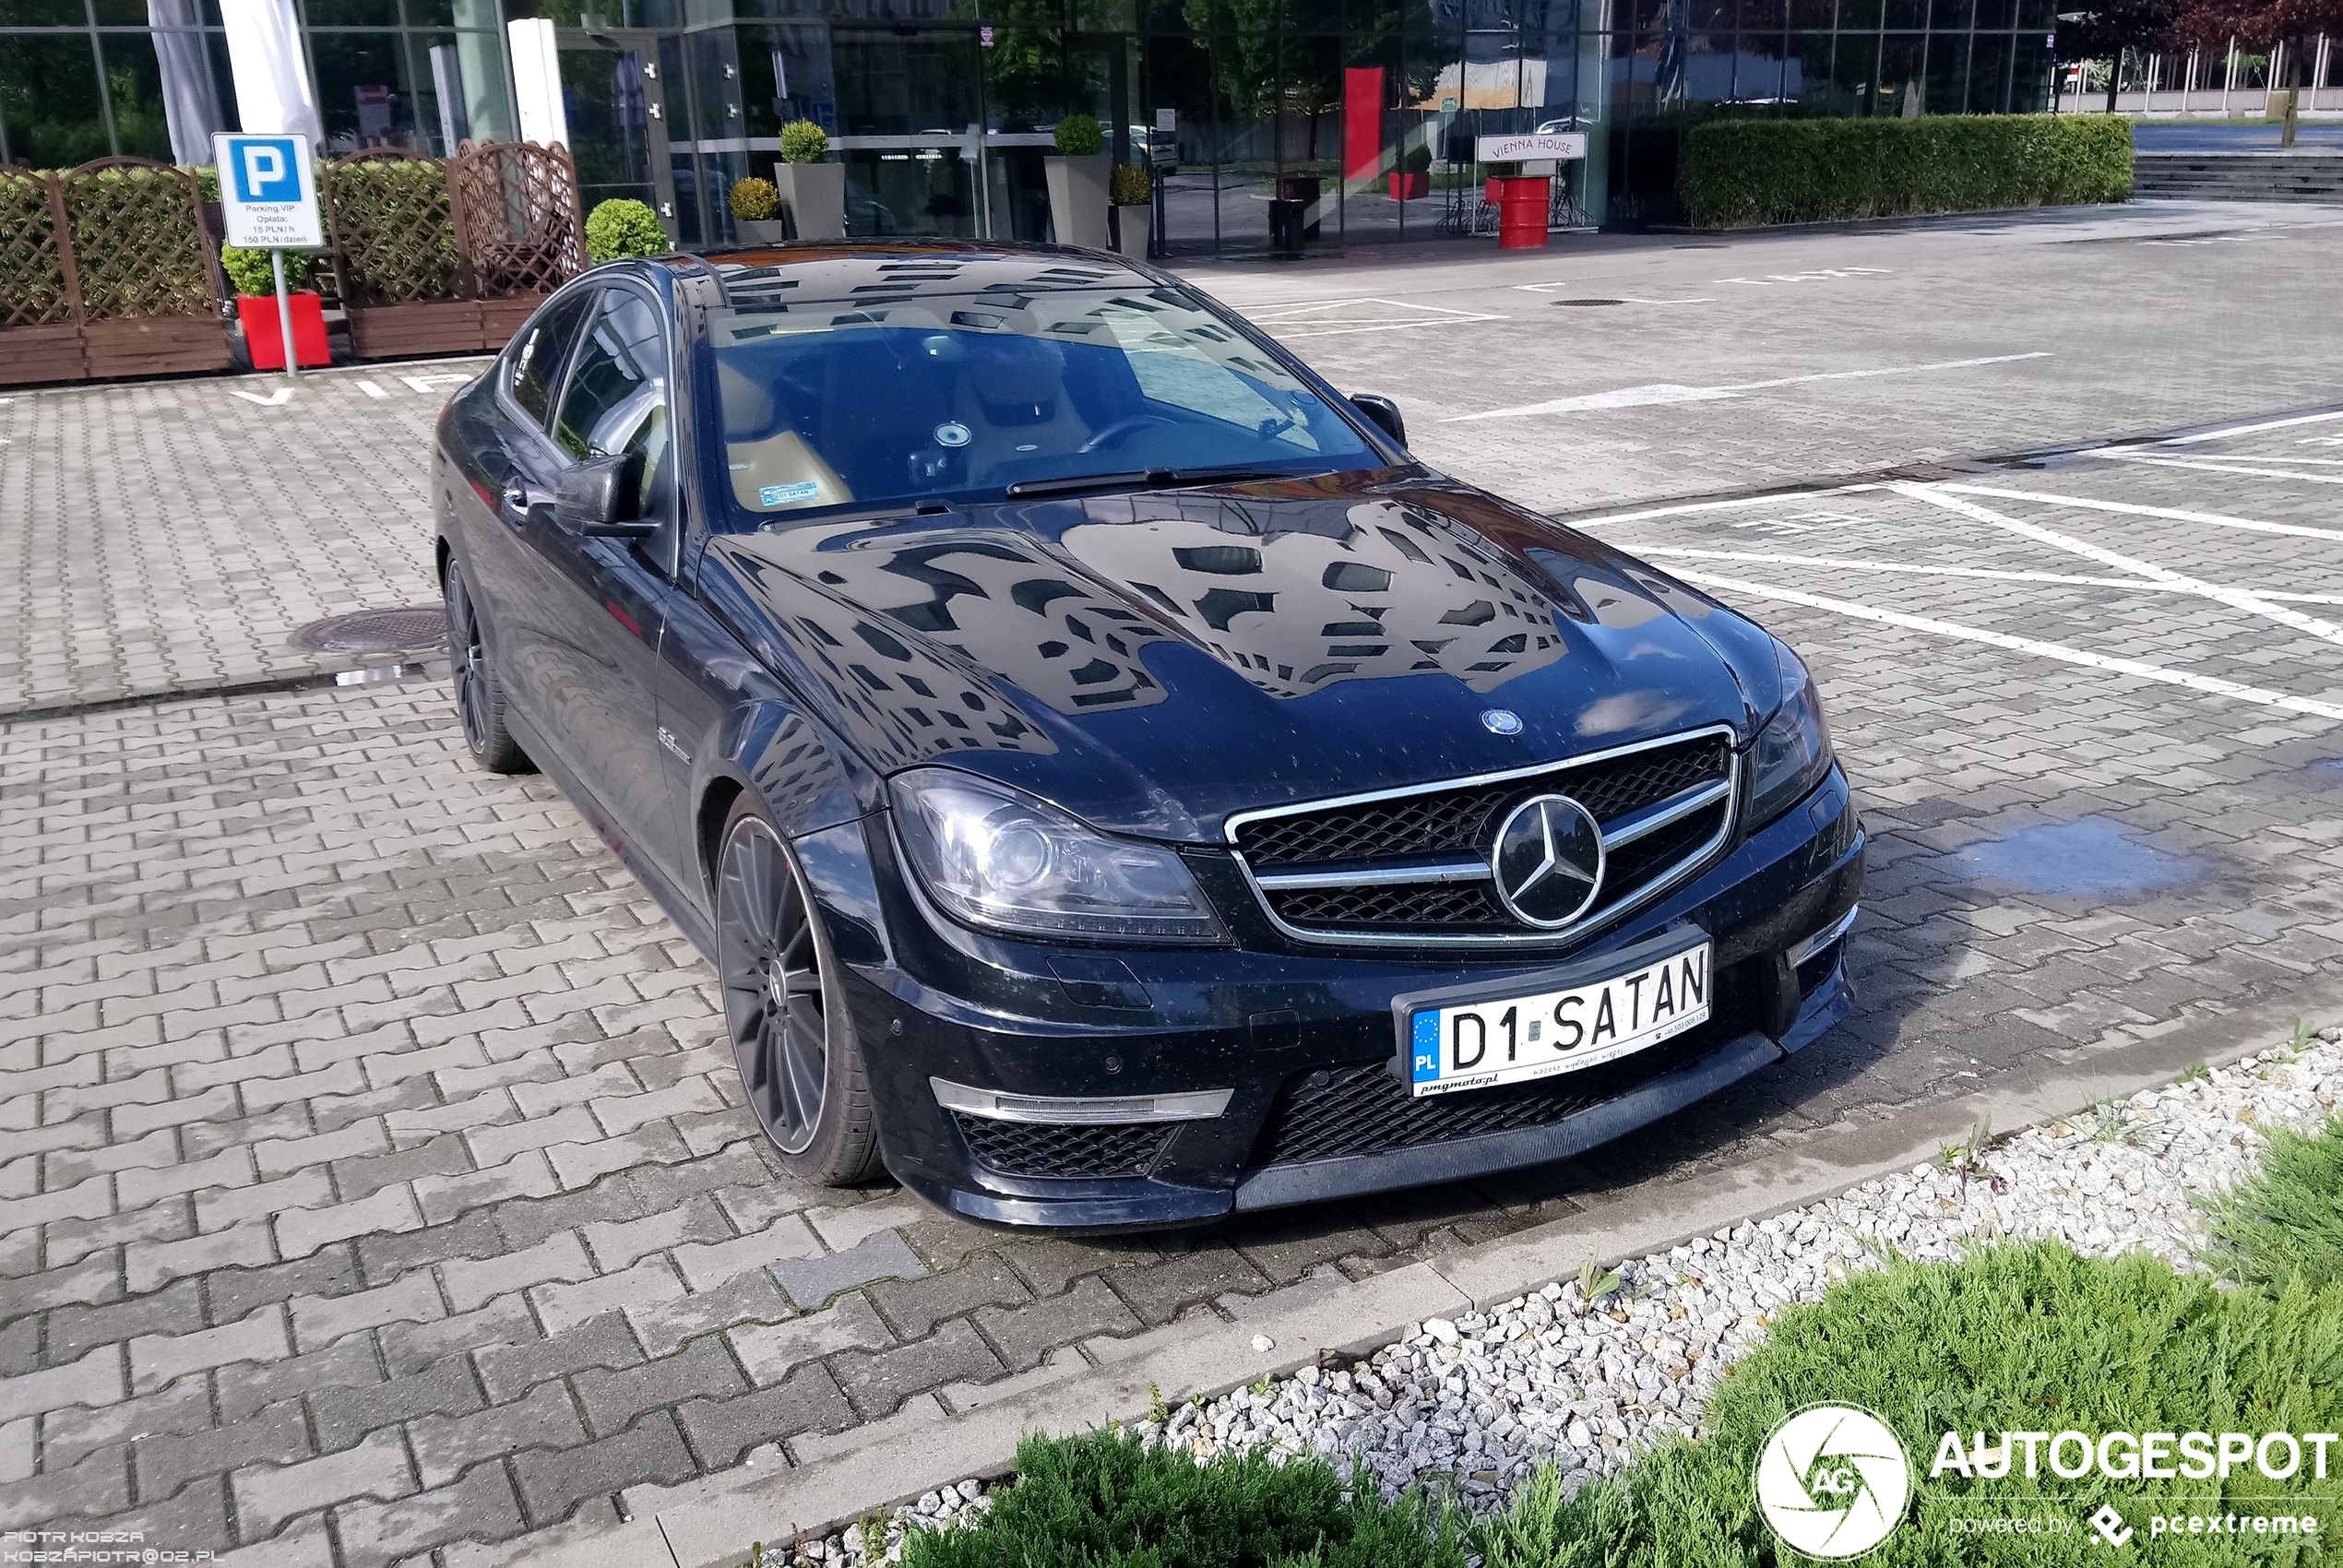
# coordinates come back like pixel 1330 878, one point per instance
pixel 1155 662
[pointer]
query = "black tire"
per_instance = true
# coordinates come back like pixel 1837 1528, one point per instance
pixel 480 694
pixel 801 1066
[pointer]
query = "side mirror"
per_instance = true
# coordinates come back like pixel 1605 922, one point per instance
pixel 602 497
pixel 1383 413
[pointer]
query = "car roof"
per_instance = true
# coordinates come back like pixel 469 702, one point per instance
pixel 833 271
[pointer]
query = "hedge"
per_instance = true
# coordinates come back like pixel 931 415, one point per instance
pixel 1741 173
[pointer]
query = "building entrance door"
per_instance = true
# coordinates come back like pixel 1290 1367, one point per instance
pixel 911 131
pixel 619 120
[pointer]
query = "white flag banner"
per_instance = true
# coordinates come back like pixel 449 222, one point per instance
pixel 273 95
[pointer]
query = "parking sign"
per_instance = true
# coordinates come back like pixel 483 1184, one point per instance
pixel 268 193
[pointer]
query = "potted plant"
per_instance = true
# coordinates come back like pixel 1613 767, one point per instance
pixel 1078 177
pixel 1413 180
pixel 757 212
pixel 254 281
pixel 621 227
pixel 1133 191
pixel 813 188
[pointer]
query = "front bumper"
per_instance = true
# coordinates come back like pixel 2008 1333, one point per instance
pixel 1299 1036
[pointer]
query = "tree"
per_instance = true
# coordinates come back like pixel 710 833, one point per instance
pixel 2261 24
pixel 2113 26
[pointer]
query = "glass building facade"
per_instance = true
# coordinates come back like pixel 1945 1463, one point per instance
pixel 1364 110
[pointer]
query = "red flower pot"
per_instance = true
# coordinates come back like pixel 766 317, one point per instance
pixel 1407 187
pixel 257 315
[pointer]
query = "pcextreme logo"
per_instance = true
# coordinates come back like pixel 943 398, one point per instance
pixel 1833 1480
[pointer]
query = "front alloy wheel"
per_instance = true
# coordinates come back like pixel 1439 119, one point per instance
pixel 479 696
pixel 795 1045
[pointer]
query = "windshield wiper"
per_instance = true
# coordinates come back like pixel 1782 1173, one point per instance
pixel 1149 478
pixel 1087 481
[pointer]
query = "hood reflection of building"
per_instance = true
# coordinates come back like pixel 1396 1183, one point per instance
pixel 934 615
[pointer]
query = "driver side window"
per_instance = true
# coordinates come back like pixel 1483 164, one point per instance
pixel 616 399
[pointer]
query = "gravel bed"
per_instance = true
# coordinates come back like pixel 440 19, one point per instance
pixel 1587 1372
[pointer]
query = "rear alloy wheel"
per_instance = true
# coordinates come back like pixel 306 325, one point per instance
pixel 792 1038
pixel 479 696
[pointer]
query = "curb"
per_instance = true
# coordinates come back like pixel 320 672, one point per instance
pixel 711 1521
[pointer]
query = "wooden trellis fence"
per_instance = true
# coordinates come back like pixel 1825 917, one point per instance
pixel 105 270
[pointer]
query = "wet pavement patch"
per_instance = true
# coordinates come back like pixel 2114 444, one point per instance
pixel 2090 856
pixel 411 626
pixel 1591 302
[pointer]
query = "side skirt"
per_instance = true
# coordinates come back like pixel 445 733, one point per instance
pixel 673 901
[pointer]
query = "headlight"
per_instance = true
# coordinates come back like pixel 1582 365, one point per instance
pixel 1792 752
pixel 998 859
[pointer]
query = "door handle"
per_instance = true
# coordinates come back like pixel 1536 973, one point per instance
pixel 515 499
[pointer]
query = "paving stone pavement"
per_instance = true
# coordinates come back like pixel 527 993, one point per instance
pixel 373 1176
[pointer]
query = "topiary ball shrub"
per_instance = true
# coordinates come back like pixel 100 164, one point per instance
pixel 1129 186
pixel 802 141
pixel 250 274
pixel 1079 136
pixel 621 227
pixel 754 200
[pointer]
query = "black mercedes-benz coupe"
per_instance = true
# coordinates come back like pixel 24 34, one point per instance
pixel 1114 782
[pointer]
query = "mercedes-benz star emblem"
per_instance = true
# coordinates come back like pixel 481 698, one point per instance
pixel 1548 860
pixel 1501 721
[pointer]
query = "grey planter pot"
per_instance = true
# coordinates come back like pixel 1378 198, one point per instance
pixel 1077 198
pixel 816 197
pixel 1136 222
pixel 761 231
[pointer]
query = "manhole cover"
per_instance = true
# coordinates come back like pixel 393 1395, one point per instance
pixel 403 630
pixel 1591 302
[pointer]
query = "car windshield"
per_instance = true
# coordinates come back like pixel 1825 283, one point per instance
pixel 986 382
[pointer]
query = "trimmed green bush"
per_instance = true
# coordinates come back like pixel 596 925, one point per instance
pixel 802 141
pixel 2287 1221
pixel 1742 174
pixel 1079 136
pixel 2015 1338
pixel 1129 186
pixel 249 271
pixel 754 200
pixel 622 227
pixel 1105 1501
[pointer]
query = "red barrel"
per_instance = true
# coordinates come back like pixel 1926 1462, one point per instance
pixel 1522 205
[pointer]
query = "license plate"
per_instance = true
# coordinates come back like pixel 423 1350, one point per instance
pixel 1472 1045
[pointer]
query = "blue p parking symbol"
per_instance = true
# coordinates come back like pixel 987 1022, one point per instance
pixel 268 168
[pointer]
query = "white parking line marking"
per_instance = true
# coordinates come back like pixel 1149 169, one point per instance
pixel 2170 514
pixel 1985 573
pixel 1668 392
pixel 2211 684
pixel 2225 432
pixel 1324 326
pixel 1557 288
pixel 2241 598
pixel 1819 275
pixel 1779 499
pixel 2215 467
pixel 275 399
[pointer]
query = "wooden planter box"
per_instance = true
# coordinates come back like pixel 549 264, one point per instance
pixel 499 319
pixel 42 354
pixel 414 330
pixel 155 345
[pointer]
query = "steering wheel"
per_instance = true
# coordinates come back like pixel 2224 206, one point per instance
pixel 1129 424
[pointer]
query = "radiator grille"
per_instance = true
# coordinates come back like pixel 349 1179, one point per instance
pixel 1455 826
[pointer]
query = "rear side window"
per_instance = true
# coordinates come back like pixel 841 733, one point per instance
pixel 536 362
